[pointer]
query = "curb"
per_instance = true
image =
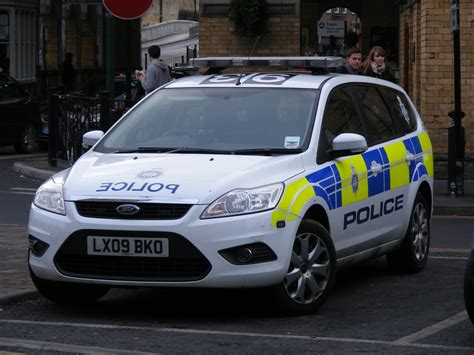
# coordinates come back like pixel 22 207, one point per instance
pixel 18 296
pixel 453 210
pixel 29 171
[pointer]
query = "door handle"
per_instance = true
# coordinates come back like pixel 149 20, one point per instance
pixel 375 168
pixel 409 158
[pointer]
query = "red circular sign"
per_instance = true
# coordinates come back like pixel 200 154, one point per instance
pixel 127 9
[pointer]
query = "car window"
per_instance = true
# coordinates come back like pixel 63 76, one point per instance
pixel 400 106
pixel 218 118
pixel 8 89
pixel 340 116
pixel 377 118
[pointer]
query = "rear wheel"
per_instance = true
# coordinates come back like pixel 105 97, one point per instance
pixel 67 293
pixel 27 142
pixel 312 271
pixel 412 255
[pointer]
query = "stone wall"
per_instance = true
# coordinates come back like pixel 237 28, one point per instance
pixel 170 12
pixel 430 79
pixel 217 38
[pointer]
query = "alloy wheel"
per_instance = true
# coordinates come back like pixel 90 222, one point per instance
pixel 309 270
pixel 420 231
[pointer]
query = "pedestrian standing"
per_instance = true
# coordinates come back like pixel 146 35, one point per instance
pixel 353 62
pixel 68 72
pixel 377 65
pixel 157 73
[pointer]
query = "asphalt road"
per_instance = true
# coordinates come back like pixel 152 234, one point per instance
pixel 16 192
pixel 371 310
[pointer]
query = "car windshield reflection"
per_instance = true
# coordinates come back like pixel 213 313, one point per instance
pixel 216 120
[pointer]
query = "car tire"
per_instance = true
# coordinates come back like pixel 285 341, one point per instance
pixel 468 289
pixel 27 143
pixel 412 255
pixel 311 274
pixel 66 293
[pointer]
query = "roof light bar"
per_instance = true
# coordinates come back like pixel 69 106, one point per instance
pixel 283 62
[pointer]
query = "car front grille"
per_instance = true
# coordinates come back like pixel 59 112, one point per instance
pixel 153 211
pixel 184 263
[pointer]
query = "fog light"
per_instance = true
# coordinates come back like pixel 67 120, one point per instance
pixel 244 255
pixel 37 247
pixel 248 254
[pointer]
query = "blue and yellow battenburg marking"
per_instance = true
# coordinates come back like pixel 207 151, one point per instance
pixel 351 180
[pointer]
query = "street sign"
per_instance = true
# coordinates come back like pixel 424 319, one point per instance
pixel 331 28
pixel 126 9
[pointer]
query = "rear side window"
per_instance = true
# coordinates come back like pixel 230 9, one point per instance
pixel 401 108
pixel 340 116
pixel 377 118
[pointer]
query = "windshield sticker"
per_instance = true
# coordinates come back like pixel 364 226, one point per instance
pixel 274 79
pixel 404 110
pixel 137 187
pixel 292 142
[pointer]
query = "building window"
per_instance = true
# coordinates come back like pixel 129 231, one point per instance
pixel 24 46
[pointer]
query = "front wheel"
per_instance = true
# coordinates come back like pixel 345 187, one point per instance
pixel 67 293
pixel 412 255
pixel 311 274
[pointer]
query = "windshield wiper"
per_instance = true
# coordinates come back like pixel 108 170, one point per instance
pixel 267 151
pixel 203 151
pixel 173 150
pixel 149 150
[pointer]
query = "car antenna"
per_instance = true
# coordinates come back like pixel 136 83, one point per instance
pixel 248 59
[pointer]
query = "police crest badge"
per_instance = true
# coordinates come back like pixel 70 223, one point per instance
pixel 355 180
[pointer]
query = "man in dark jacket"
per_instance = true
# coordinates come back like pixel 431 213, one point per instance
pixel 157 73
pixel 68 72
pixel 353 62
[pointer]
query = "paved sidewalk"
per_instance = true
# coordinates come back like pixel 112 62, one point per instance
pixel 15 283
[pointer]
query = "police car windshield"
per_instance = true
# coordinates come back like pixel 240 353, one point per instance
pixel 229 119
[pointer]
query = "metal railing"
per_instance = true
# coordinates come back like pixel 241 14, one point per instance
pixel 71 116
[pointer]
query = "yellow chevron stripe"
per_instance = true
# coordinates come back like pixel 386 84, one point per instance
pixel 399 171
pixel 427 148
pixel 294 198
pixel 349 195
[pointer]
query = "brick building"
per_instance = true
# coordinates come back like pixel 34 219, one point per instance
pixel 170 10
pixel 416 34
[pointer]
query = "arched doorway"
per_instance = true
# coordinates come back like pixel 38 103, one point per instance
pixel 337 30
pixel 378 23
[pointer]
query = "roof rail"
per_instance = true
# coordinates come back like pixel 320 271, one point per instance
pixel 215 64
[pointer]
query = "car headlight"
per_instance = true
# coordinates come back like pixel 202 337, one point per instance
pixel 244 201
pixel 49 197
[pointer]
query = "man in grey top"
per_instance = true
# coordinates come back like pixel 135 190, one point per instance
pixel 157 73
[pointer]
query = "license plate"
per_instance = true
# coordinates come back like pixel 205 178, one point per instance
pixel 120 246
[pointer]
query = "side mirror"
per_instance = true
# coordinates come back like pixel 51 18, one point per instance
pixel 91 138
pixel 348 144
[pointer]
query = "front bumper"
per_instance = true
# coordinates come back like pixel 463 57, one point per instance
pixel 189 234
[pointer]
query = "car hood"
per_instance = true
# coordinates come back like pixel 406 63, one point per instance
pixel 180 178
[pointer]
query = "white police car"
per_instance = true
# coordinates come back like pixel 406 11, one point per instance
pixel 240 180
